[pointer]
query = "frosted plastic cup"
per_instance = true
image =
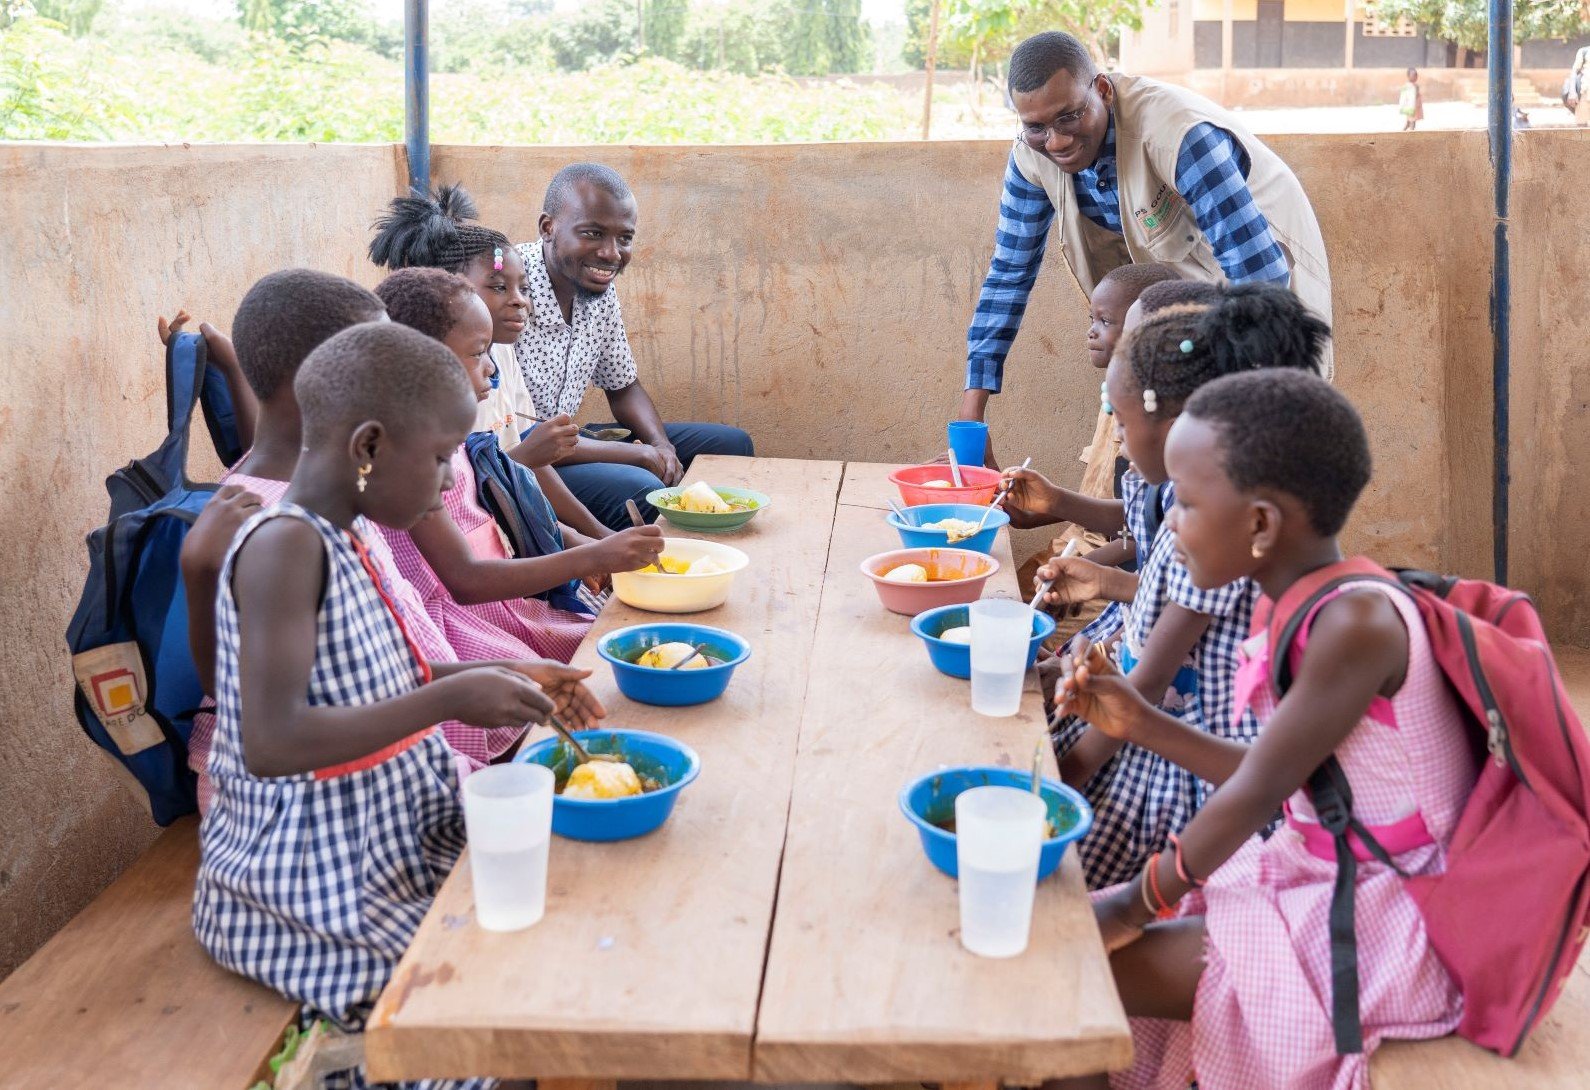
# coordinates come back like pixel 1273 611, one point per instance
pixel 969 440
pixel 1001 637
pixel 998 835
pixel 508 815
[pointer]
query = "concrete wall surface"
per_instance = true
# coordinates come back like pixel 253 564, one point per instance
pixel 815 294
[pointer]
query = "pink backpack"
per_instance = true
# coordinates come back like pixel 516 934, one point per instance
pixel 1509 915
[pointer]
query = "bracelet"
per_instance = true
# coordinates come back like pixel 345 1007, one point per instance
pixel 1151 873
pixel 1181 867
pixel 1142 887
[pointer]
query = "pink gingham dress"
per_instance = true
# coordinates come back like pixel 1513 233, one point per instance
pixel 1262 1014
pixel 480 746
pixel 484 630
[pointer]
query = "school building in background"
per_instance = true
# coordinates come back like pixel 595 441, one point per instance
pixel 1184 36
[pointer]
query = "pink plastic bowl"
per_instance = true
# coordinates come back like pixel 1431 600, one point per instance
pixel 958 576
pixel 981 483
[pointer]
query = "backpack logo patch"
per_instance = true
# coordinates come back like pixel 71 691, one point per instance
pixel 112 680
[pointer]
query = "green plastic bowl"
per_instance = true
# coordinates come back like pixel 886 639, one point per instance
pixel 708 523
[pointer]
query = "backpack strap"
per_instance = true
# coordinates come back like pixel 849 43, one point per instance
pixel 186 362
pixel 1329 790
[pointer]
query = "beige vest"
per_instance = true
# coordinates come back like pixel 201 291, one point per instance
pixel 1151 120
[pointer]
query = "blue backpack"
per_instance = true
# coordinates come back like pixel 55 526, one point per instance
pixel 137 686
pixel 509 492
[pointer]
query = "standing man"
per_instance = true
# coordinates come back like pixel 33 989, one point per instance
pixel 1136 171
pixel 576 339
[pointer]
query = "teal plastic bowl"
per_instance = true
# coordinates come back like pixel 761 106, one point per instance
pixel 672 688
pixel 673 764
pixel 913 536
pixel 930 799
pixel 704 523
pixel 955 659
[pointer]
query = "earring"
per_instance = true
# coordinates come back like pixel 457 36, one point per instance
pixel 364 473
pixel 1258 553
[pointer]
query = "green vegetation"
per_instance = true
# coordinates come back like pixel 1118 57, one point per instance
pixel 1464 21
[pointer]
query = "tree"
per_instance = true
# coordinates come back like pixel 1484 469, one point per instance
pixel 978 32
pixel 824 36
pixel 1464 21
pixel 734 36
pixel 301 23
pixel 77 16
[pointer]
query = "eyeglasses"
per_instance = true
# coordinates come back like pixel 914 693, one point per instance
pixel 1066 124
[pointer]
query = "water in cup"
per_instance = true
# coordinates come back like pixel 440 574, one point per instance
pixel 998 835
pixel 508 814
pixel 1001 638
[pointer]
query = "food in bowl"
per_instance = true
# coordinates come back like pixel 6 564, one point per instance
pixel 907 573
pixel 673 565
pixel 602 780
pixel 701 498
pixel 665 656
pixel 938 484
pixel 956 530
pixel 962 634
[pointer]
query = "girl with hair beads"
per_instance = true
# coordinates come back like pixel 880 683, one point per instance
pixel 336 813
pixel 438 232
pixel 456 556
pixel 1179 640
pixel 1234 979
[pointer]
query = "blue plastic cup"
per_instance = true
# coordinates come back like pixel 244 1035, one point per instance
pixel 969 441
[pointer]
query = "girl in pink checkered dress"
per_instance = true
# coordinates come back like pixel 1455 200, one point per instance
pixel 456 557
pixel 1221 946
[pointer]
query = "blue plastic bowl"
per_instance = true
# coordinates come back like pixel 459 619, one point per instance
pixel 955 659
pixel 912 537
pixel 671 763
pixel 932 799
pixel 672 688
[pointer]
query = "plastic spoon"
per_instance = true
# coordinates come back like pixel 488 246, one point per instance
pixel 999 499
pixel 899 513
pixel 1071 549
pixel 581 755
pixel 634 513
pixel 955 470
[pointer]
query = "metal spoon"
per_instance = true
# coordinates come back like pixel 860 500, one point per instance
pixel 899 513
pixel 634 513
pixel 695 651
pixel 1037 768
pixel 999 500
pixel 581 755
pixel 955 470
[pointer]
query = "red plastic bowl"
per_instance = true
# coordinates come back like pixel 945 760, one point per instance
pixel 958 576
pixel 981 483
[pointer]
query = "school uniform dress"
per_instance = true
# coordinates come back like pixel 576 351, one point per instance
pixel 512 628
pixel 314 884
pixel 1138 797
pixel 479 746
pixel 561 360
pixel 1262 1014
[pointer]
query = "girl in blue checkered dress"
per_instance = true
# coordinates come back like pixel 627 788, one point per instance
pixel 1178 643
pixel 336 814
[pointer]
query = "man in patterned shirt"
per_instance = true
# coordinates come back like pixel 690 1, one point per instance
pixel 1199 192
pixel 576 339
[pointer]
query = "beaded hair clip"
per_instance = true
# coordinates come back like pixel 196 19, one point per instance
pixel 496 259
pixel 1104 399
pixel 1150 398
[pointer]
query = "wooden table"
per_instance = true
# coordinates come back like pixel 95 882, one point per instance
pixel 650 961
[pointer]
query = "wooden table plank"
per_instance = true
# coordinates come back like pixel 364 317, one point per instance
pixel 866 978
pixel 649 961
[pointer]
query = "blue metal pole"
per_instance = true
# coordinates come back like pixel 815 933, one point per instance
pixel 417 93
pixel 1501 129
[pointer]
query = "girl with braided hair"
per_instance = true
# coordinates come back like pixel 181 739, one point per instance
pixel 1179 641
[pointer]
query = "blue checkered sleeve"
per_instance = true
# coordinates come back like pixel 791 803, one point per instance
pixel 1024 218
pixel 1212 177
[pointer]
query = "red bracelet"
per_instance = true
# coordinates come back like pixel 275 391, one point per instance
pixel 1181 867
pixel 1151 875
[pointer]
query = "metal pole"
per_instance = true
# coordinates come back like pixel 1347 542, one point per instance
pixel 1501 129
pixel 417 93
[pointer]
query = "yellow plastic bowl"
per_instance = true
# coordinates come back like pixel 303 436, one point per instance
pixel 659 592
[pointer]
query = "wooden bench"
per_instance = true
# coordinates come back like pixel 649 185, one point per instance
pixel 124 995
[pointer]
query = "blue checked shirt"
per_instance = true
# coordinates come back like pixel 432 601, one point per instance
pixel 1211 176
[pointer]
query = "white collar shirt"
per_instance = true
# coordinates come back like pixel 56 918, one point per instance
pixel 561 360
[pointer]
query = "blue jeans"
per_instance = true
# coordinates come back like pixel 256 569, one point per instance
pixel 604 486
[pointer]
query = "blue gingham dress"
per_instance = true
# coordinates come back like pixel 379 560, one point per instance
pixel 315 886
pixel 1138 797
